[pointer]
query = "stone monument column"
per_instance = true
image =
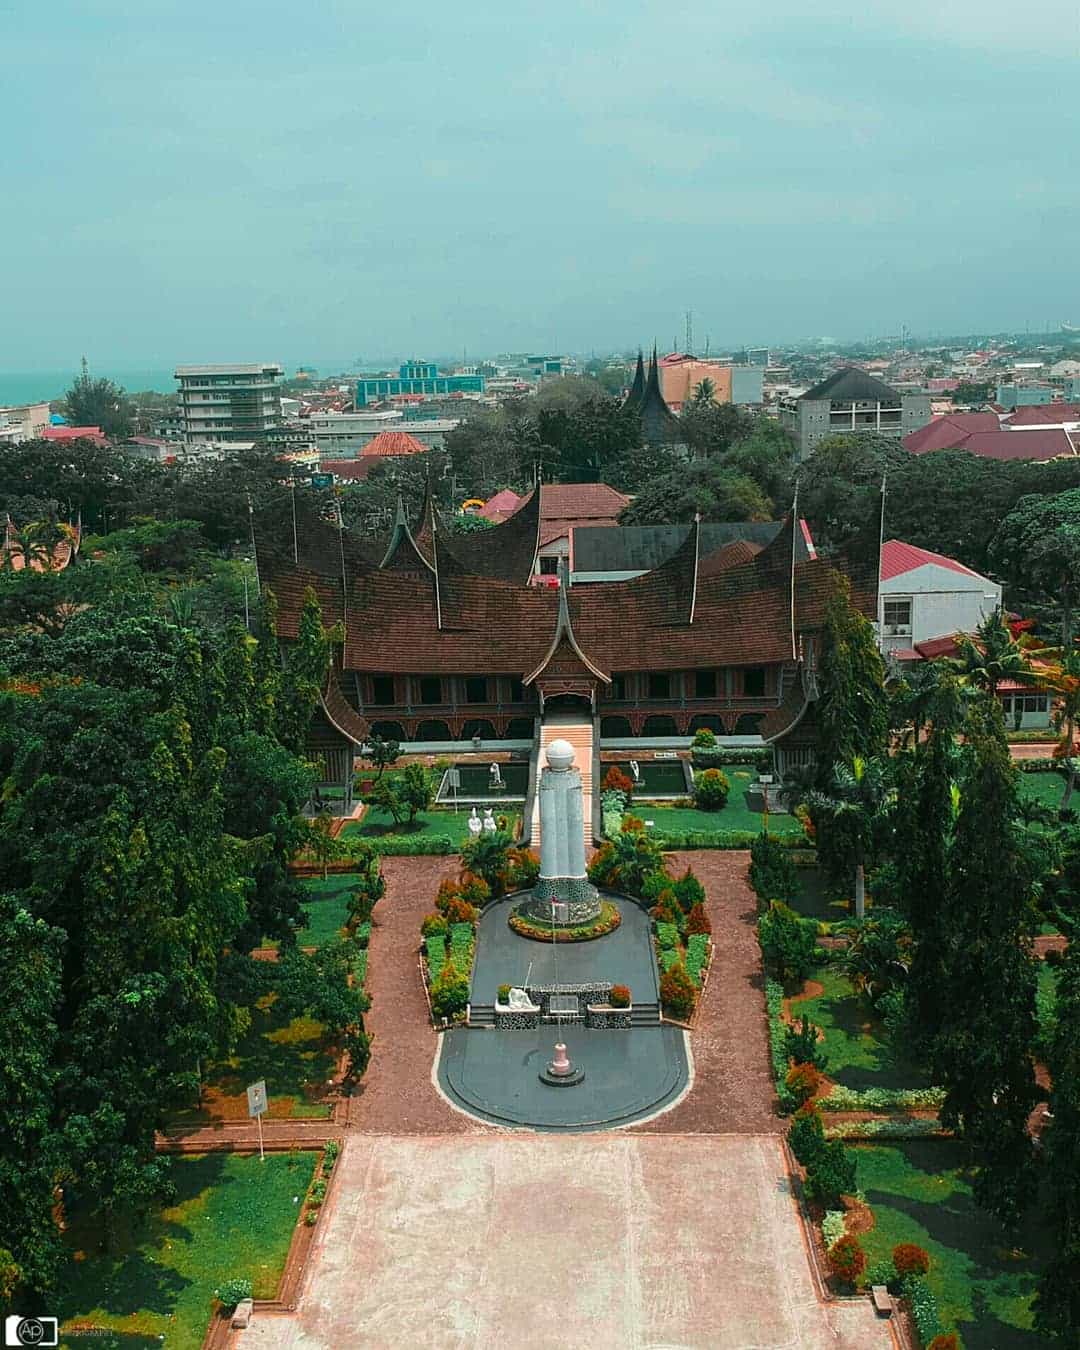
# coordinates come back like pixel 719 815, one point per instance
pixel 563 880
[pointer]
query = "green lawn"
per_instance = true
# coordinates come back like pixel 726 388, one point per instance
pixel 858 1054
pixel 1045 788
pixel 733 816
pixel 295 1058
pixel 983 1282
pixel 326 908
pixel 436 821
pixel 233 1216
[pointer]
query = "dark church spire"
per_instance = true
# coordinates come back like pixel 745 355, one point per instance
pixel 637 389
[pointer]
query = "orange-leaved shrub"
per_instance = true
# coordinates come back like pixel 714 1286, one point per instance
pixel 910 1259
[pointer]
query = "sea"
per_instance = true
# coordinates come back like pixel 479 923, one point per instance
pixel 42 386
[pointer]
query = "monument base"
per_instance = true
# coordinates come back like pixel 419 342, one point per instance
pixel 563 900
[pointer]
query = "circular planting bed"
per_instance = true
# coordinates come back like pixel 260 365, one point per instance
pixel 526 926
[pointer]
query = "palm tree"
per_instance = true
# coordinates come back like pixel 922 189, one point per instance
pixel 992 657
pixel 855 808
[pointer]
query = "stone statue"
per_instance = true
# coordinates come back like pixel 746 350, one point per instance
pixel 475 824
pixel 563 893
pixel 494 777
pixel 489 821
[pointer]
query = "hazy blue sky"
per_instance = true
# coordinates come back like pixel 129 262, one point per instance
pixel 198 180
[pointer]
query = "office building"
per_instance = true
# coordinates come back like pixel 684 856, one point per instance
pixel 414 377
pixel 222 403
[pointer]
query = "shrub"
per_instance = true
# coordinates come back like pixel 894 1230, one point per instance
pixel 883 1099
pixel 677 993
pixel 806 1134
pixel 704 738
pixel 448 890
pixel 788 943
pixel 946 1341
pixel 881 1272
pixel 711 788
pixel 435 949
pixel 774 1005
pixel 918 1127
pixel 311 1218
pixel 697 921
pixel 524 869
pixel 503 994
pixel 450 992
pixel 803 1082
pixel 924 1309
pixel 832 1227
pixel 847 1260
pixel 697 957
pixel 657 885
pixel 667 935
pixel 772 873
pixel 234 1291
pixel 619 996
pixel 803 1045
pixel 910 1259
pixel 474 889
pixel 632 825
pixel 617 781
pixel 665 911
pixel 433 923
pixel 331 1149
pixel 831 1174
pixel 688 891
pixel 459 910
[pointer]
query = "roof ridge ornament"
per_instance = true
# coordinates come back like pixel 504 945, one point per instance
pixel 564 631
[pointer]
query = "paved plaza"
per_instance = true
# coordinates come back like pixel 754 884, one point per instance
pixel 540 1241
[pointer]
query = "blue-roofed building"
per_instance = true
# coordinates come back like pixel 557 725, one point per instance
pixel 415 377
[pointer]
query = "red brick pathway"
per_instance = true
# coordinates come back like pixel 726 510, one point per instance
pixel 733 1090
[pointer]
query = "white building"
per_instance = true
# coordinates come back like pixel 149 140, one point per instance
pixel 24 422
pixel 925 595
pixel 925 599
pixel 344 435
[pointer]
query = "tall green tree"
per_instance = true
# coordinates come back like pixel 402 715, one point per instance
pixel 991 657
pixel 98 402
pixel 848 819
pixel 852 708
pixel 981 1052
pixel 1037 547
pixel 1057 1304
pixel 707 489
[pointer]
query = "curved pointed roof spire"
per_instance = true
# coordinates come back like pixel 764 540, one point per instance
pixel 637 389
pixel 659 425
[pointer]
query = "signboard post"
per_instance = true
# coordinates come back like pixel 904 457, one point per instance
pixel 322 480
pixel 765 779
pixel 455 783
pixel 256 1095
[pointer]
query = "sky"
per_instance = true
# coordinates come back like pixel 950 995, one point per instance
pixel 335 179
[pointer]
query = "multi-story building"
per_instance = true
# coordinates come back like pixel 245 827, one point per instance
pixel 25 422
pixel 680 375
pixel 344 435
pixel 415 377
pixel 1023 395
pixel 849 401
pixel 230 402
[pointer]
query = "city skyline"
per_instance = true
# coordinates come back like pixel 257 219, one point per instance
pixel 197 184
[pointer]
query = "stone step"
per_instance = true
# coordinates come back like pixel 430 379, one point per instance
pixel 482 1015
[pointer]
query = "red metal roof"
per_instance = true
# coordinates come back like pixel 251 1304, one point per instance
pixel 1007 445
pixel 391 443
pixel 949 432
pixel 1049 414
pixel 898 558
pixel 73 434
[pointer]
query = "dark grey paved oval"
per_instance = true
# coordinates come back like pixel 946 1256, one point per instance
pixel 622 957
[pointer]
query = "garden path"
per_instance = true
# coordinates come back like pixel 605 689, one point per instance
pixel 732 1091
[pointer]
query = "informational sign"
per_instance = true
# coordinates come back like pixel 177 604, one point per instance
pixel 256 1095
pixel 765 778
pixel 322 480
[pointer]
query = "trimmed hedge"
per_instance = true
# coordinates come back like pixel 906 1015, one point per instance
pixel 667 936
pixel 435 948
pixel 697 956
pixel 919 1128
pixel 774 1004
pixel 924 1308
pixel 882 1099
pixel 461 946
pixel 1039 766
pixel 403 845
pixel 676 839
pixel 713 757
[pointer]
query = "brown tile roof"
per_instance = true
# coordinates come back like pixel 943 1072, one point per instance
pixel 741 614
pixel 341 714
pixel 390 443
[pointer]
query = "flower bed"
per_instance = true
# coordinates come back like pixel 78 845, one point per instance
pixel 528 927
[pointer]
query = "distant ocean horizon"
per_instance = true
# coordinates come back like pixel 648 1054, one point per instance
pixel 43 386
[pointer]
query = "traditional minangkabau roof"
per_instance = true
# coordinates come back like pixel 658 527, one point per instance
pixel 506 552
pixel 851 385
pixel 637 389
pixel 564 651
pixel 659 425
pixel 340 713
pixel 679 616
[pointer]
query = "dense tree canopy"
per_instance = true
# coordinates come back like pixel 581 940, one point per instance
pixel 1037 548
pixel 706 488
pixel 97 402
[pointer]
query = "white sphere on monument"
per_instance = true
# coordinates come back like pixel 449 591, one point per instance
pixel 560 756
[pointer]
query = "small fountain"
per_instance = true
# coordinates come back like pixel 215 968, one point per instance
pixel 561 1071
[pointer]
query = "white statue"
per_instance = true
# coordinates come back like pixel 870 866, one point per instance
pixel 475 825
pixel 519 999
pixel 494 776
pixel 635 770
pixel 489 821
